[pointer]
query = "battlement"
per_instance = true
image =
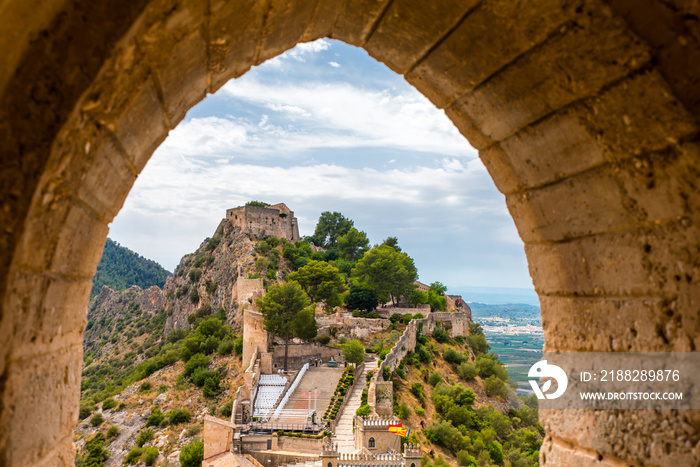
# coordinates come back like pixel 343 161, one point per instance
pixel 371 422
pixel 411 450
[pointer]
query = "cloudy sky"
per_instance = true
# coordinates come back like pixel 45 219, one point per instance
pixel 324 127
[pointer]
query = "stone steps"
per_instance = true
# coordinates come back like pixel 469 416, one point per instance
pixel 343 429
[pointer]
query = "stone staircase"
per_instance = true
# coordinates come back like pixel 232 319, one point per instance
pixel 318 383
pixel 343 429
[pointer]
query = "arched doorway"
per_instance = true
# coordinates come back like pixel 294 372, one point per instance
pixel 583 114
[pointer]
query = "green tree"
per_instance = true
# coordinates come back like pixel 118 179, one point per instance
pixel 192 455
pixel 386 271
pixel 353 244
pixel 321 282
pixel 392 242
pixel 280 308
pixel 361 299
pixel 436 297
pixel 330 226
pixel 354 352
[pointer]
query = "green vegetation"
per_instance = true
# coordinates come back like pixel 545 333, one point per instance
pixel 361 299
pixel 260 204
pixel 97 419
pixel 120 268
pixel 354 352
pixel 96 453
pixel 192 455
pixel 387 272
pixel 149 455
pixel 353 245
pixel 321 281
pixel 286 314
pixel 330 226
pixel 143 437
pixel 341 390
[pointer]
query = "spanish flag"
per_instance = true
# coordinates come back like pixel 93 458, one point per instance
pixel 398 429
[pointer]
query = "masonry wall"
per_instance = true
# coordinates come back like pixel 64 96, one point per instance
pixel 299 354
pixel 260 222
pixel 248 290
pixel 254 334
pixel 217 435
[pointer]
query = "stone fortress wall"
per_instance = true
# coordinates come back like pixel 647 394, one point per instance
pixel 261 222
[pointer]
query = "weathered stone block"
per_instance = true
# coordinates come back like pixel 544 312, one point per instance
pixel 235 29
pixel 286 21
pixel 143 126
pixel 641 437
pixel 79 245
pixel 183 76
pixel 590 54
pixel 44 392
pixel 587 204
pixel 605 324
pixel 408 29
pixel 490 37
pixel 110 179
pixel 356 20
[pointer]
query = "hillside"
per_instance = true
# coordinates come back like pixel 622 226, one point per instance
pixel 120 268
pixel 459 403
pixel 157 360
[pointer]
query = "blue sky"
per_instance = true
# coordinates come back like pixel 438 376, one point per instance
pixel 324 127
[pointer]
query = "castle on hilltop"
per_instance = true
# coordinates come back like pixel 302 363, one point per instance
pixel 261 222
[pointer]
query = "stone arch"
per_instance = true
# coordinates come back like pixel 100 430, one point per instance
pixel 583 113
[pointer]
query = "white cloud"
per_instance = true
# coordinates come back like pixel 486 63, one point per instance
pixel 354 117
pixel 334 64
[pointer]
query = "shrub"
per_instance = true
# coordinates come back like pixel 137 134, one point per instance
pixel 195 275
pixel 444 434
pixel 225 348
pixel 143 437
pixel 97 419
pixel 363 410
pixel 434 378
pixel 194 296
pixel 86 408
pixel 467 371
pixel 149 456
pixel 212 243
pixel 193 430
pixel 109 403
pixel 192 455
pixel 417 390
pixel 177 416
pixel 441 335
pixel 452 356
pixel 323 339
pixel 145 386
pixel 113 431
pixel 404 411
pixel 226 409
pixel 156 417
pixel 196 361
pixel 238 346
pixel 494 386
pixel 420 411
pixel 478 343
pixel 96 451
pixel 133 456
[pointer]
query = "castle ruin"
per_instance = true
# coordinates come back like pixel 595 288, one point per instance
pixel 261 222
